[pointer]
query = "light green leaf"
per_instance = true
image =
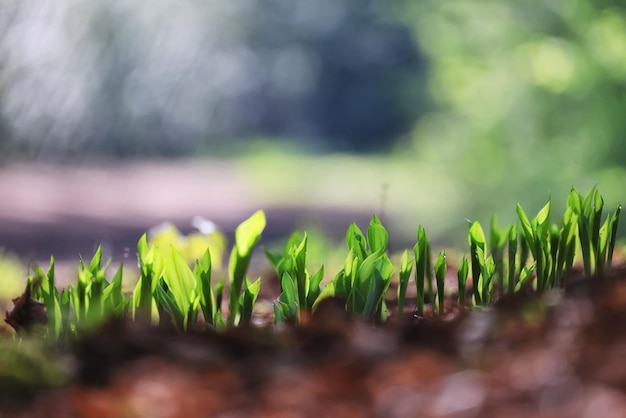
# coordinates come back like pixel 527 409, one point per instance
pixel 543 216
pixel 250 294
pixel 249 232
pixel 202 273
pixel 167 300
pixel 180 280
pixel 314 288
pixel 377 235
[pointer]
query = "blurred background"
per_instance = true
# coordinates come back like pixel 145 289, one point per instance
pixel 116 116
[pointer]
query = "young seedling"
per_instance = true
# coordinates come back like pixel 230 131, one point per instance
pixel 536 235
pixel 422 269
pixel 167 285
pixel 292 264
pixel 403 282
pixel 150 270
pixel 177 292
pixel 366 274
pixel 209 303
pixel 247 234
pixel 477 242
pixel 462 280
pixel 512 252
pixel 497 241
pixel 440 275
pixel 46 292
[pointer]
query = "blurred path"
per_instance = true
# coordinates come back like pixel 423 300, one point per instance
pixel 68 211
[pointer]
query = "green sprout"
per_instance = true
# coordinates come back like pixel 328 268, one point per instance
pixel 533 253
pixel 440 275
pixel 477 242
pixel 498 238
pixel 462 280
pixel 291 266
pixel 536 235
pixel 366 274
pixel 403 282
pixel 422 269
pixel 512 252
pixel 247 234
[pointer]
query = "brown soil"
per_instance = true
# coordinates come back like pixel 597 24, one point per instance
pixel 559 355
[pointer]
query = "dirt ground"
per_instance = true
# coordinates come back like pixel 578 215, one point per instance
pixel 556 355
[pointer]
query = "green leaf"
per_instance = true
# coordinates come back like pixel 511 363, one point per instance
pixel 294 240
pixel 65 306
pixel 237 267
pixel 279 317
pixel 202 273
pixel 613 227
pixel 462 279
pixel 113 295
pixel 375 293
pixel 378 285
pixel 574 201
pixel 476 239
pixel 336 288
pixel 220 325
pixel 250 294
pixel 143 251
pixel 219 293
pixel 249 232
pixel 377 236
pixel 440 275
pixel 525 277
pixel 477 235
pixel 497 240
pixel 247 235
pixel 167 300
pixel 543 216
pixel 598 205
pixel 288 298
pixel 180 280
pixel 298 254
pixel 405 275
pixel 288 295
pixel 512 248
pixel 48 285
pixel 365 275
pixel 96 261
pixel 485 286
pixel 528 232
pixel 356 241
pixel 420 250
pixel 314 288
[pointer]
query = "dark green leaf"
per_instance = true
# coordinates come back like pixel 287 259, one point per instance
pixel 405 275
pixel 440 275
pixel 462 279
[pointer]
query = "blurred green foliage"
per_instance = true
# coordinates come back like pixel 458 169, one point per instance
pixel 529 97
pixel 12 276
